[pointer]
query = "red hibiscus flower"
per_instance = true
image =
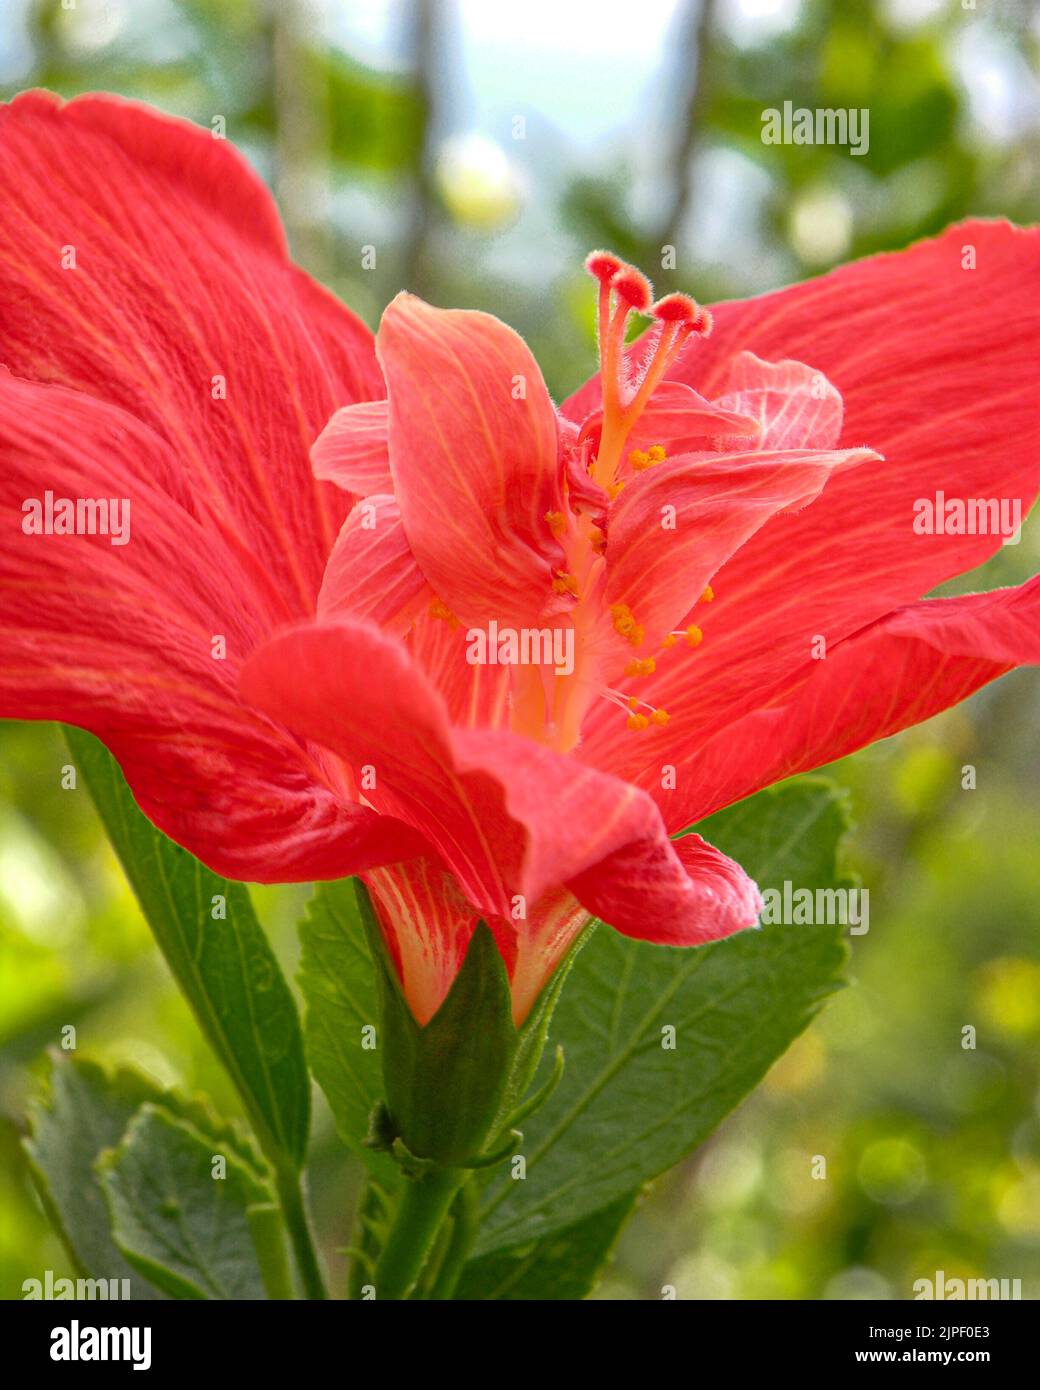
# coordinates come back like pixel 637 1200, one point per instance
pixel 541 642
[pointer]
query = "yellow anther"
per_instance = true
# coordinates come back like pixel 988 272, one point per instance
pixel 632 702
pixel 623 619
pixel 557 521
pixel 670 640
pixel 625 624
pixel 597 540
pixel 641 666
pixel 639 460
pixel 439 609
pixel 565 583
pixel 613 489
pixel 656 453
pixel 694 636
pixel 659 716
pixel 637 721
pixel 708 595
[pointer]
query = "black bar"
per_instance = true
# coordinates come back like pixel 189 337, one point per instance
pixel 317 1338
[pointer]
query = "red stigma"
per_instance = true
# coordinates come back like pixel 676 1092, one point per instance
pixel 623 290
pixel 603 265
pixel 633 289
pixel 676 308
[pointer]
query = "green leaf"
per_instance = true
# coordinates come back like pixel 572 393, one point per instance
pixel 628 1108
pixel 339 984
pixel 186 1230
pixel 86 1112
pixel 561 1266
pixel 225 966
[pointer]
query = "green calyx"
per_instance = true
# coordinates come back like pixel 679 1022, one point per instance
pixel 454 1087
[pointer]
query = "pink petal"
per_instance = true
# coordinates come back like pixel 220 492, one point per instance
pixel 491 804
pixel 476 697
pixel 926 393
pixel 794 406
pixel 921 388
pixel 677 412
pixel 474 455
pixel 914 663
pixel 353 450
pixel 371 572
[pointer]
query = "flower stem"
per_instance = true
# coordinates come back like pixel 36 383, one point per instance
pixel 290 1195
pixel 424 1206
pixel 465 1222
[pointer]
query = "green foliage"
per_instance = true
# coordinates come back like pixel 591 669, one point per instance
pixel 87 1119
pixel 339 986
pixel 637 1096
pixel 563 1265
pixel 377 120
pixel 223 963
pixel 86 1113
pixel 178 1224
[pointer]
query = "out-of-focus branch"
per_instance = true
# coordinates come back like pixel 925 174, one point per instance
pixel 425 22
pixel 693 62
pixel 300 100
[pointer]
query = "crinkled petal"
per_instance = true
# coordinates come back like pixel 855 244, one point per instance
pixel 511 820
pixel 794 406
pixel 676 892
pixel 677 412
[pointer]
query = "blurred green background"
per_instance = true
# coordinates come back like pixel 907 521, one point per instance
pixel 481 150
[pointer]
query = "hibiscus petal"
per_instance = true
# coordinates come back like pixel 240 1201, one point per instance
pixel 492 804
pixel 915 662
pixel 552 927
pixel 929 395
pixel 371 572
pixel 477 697
pixel 676 892
pixel 677 412
pixel 141 642
pixel 675 524
pixel 794 406
pixel 142 261
pixel 352 689
pixel 428 924
pixel 889 332
pixel 353 450
pixel 474 455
